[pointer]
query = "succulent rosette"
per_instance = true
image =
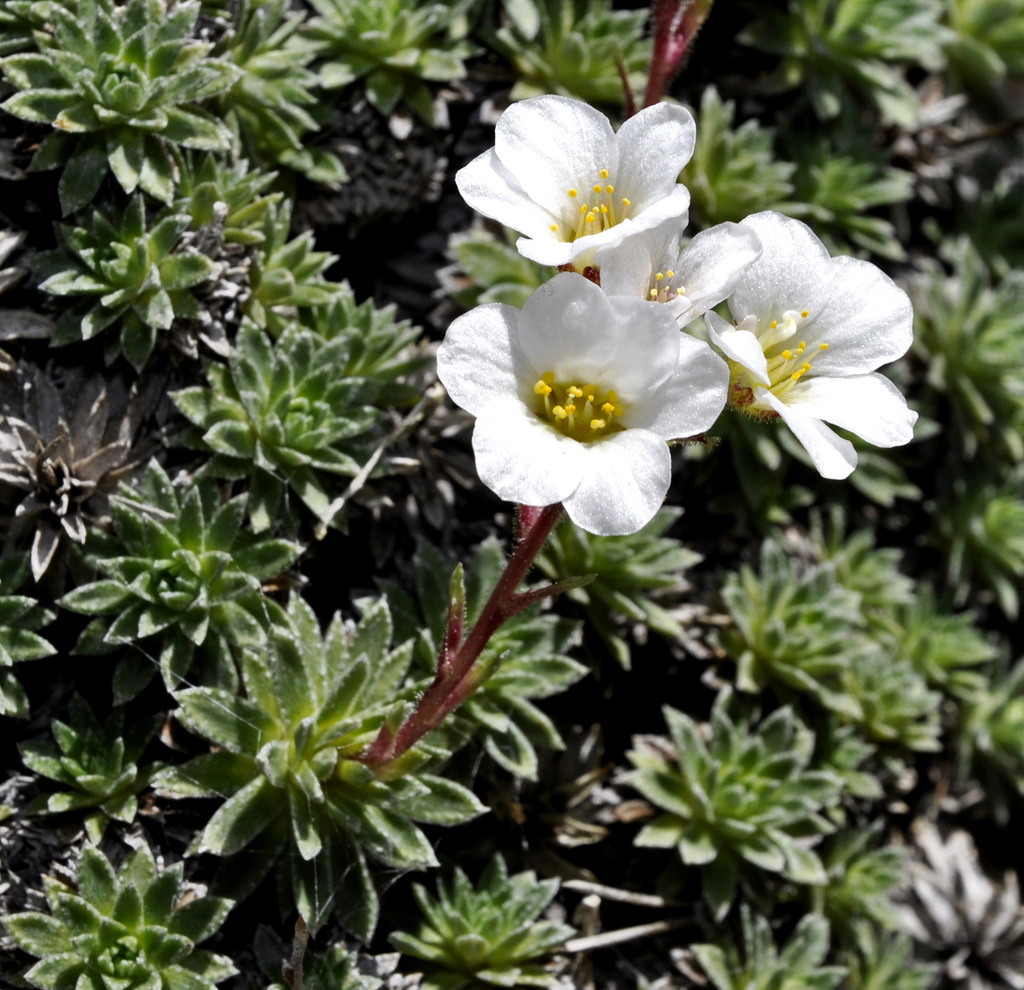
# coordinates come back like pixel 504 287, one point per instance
pixel 809 333
pixel 576 396
pixel 561 176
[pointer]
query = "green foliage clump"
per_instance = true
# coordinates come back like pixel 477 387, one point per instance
pixel 862 874
pixel 396 49
pixel 492 270
pixel 526 657
pixel 20 617
pixel 97 764
pixel 379 349
pixel 834 193
pixel 796 631
pixel 987 44
pixel 893 702
pixel 944 648
pixel 286 764
pixel 125 279
pixel 991 738
pixel 579 48
pixel 845 52
pixel 286 416
pixel 747 798
pixel 132 928
pixel 967 332
pixel 271 106
pixel 980 527
pixel 121 84
pixel 761 966
pixel 734 171
pixel 333 969
pixel 179 567
pixel 229 196
pixel 286 279
pixel 884 960
pixel 486 935
pixel 627 571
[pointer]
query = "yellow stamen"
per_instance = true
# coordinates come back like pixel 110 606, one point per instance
pixel 603 173
pixel 573 194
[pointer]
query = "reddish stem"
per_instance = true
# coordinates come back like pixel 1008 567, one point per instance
pixel 676 23
pixel 453 683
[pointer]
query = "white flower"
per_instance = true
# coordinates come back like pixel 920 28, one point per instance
pixel 650 265
pixel 810 331
pixel 575 397
pixel 559 174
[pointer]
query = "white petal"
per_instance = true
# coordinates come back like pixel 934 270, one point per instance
pixel 628 267
pixel 868 405
pixel 625 482
pixel 689 401
pixel 710 268
pixel 794 271
pixel 833 456
pixel 522 459
pixel 654 145
pixel 740 346
pixel 546 250
pixel 487 186
pixel 867 321
pixel 552 144
pixel 474 362
pixel 571 328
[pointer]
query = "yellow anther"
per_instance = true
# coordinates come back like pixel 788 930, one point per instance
pixel 803 344
pixel 774 324
pixel 604 209
pixel 542 388
pixel 805 313
pixel 573 194
pixel 597 189
pixel 609 189
pixel 604 173
pixel 670 273
pixel 787 354
pixel 597 424
pixel 584 208
pixel 607 407
pixel 554 227
pixel 806 366
pixel 590 218
pixel 659 277
pixel 823 347
pixel 626 202
pixel 653 293
pixel 796 375
pixel 570 410
pixel 559 412
pixel 575 391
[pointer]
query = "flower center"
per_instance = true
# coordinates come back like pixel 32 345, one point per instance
pixel 591 210
pixel 581 412
pixel 786 366
pixel 662 288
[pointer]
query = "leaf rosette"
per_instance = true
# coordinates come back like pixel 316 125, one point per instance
pixel 287 759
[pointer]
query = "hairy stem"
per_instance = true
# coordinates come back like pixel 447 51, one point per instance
pixel 454 681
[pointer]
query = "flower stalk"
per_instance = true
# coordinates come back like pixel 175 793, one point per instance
pixel 676 23
pixel 458 672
